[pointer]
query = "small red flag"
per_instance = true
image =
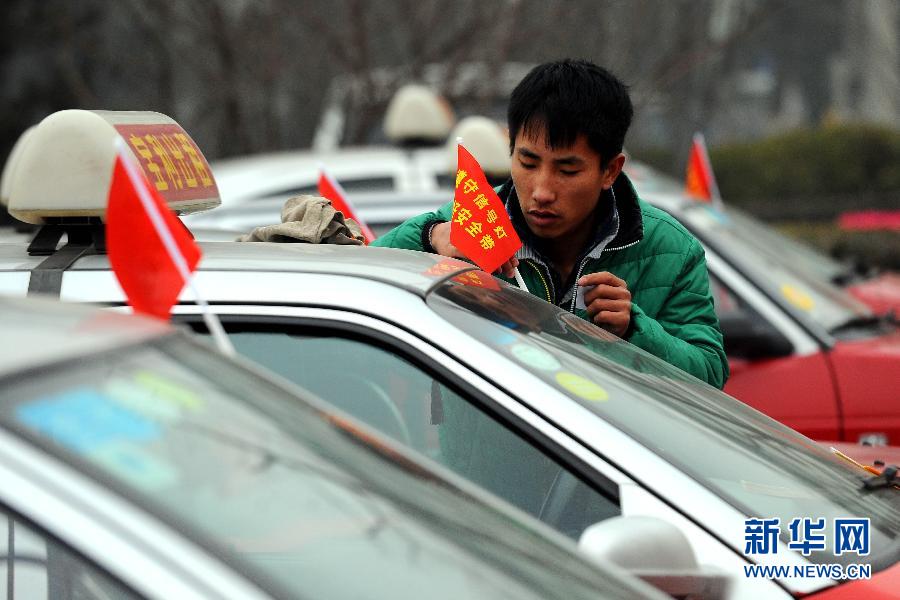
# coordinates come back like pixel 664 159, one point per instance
pixel 329 188
pixel 700 182
pixel 480 227
pixel 150 250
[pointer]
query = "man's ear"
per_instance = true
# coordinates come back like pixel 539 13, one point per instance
pixel 612 170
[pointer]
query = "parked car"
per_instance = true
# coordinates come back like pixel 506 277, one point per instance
pixel 136 462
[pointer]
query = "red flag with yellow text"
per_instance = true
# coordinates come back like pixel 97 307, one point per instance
pixel 480 227
pixel 144 240
pixel 700 183
pixel 329 188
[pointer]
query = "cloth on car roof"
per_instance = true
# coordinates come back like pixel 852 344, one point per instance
pixel 311 220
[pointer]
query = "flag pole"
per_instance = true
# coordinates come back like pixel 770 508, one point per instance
pixel 519 280
pixel 137 180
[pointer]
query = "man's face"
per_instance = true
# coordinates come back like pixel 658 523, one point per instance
pixel 559 189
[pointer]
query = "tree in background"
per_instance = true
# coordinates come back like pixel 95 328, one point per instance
pixel 249 76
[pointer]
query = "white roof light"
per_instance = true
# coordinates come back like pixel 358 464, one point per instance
pixel 486 140
pixel 65 168
pixel 416 113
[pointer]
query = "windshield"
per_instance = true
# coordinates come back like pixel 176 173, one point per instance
pixel 760 467
pixel 778 268
pixel 805 259
pixel 302 501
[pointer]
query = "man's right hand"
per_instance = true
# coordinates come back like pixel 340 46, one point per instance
pixel 440 241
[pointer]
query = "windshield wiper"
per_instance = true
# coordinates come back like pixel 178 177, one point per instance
pixel 887 478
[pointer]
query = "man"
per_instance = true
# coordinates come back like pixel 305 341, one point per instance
pixel 590 245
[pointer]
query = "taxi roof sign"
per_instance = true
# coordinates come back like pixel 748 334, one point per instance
pixel 417 113
pixel 486 140
pixel 65 168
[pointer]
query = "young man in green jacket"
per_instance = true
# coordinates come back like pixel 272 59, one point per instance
pixel 590 245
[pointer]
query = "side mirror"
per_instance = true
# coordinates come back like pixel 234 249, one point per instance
pixel 655 551
pixel 746 337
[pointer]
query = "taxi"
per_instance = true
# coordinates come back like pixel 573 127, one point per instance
pixel 137 463
pixel 642 464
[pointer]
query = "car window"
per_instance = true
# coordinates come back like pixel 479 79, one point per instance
pixel 34 565
pixel 290 495
pixel 387 390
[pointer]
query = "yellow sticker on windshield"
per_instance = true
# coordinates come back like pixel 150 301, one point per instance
pixel 581 387
pixel 797 297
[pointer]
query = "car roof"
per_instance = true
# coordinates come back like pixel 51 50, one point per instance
pixel 417 272
pixel 38 331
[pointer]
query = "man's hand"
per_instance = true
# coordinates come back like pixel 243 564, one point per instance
pixel 608 301
pixel 440 241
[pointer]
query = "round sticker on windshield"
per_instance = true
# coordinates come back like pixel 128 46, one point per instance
pixel 535 357
pixel 797 297
pixel 581 387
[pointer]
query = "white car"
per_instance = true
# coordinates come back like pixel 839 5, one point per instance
pixel 137 463
pixel 587 433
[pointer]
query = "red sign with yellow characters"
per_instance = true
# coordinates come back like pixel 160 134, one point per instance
pixel 480 227
pixel 171 161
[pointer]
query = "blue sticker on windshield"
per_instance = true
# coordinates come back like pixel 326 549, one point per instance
pixel 84 418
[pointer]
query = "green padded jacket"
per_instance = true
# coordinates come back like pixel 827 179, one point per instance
pixel 672 314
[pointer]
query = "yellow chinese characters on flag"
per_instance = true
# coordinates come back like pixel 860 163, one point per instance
pixel 480 227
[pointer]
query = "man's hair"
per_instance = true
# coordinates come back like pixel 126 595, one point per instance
pixel 567 98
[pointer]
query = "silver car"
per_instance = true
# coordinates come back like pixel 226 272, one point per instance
pixel 560 419
pixel 137 463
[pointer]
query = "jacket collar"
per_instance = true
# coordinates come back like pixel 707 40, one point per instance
pixel 621 227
